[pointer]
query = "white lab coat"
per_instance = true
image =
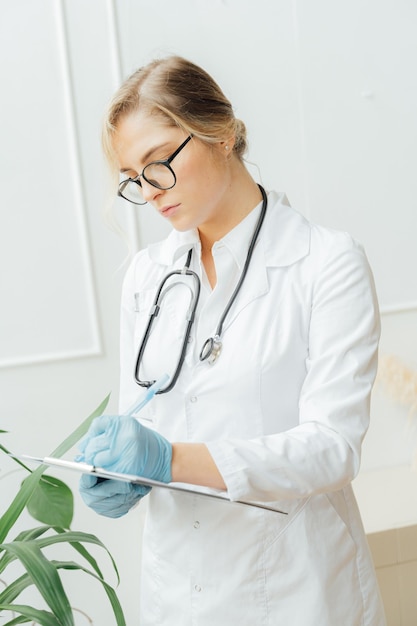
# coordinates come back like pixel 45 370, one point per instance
pixel 283 412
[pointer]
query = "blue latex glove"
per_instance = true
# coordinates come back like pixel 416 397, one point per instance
pixel 120 444
pixel 112 498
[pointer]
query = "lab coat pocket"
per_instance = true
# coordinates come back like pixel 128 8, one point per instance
pixel 317 557
pixel 275 524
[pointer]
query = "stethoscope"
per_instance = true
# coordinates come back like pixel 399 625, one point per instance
pixel 213 345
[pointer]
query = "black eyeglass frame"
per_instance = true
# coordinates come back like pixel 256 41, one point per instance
pixel 166 162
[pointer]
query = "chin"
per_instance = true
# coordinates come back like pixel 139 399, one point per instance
pixel 182 225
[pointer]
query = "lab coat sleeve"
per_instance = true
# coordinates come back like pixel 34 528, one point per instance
pixel 322 453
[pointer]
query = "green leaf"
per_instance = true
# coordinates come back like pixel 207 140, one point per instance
pixel 52 503
pixel 19 620
pixel 25 535
pixel 111 594
pixel 18 461
pixel 45 577
pixel 40 617
pixel 75 538
pixel 14 589
pixel 33 533
pixel 19 585
pixel 89 557
pixel 20 501
pixel 27 547
pixel 79 432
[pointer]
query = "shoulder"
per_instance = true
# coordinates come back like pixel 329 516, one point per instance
pixel 291 236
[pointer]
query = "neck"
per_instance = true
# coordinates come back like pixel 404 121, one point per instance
pixel 242 196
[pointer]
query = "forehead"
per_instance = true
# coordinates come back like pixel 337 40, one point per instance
pixel 138 136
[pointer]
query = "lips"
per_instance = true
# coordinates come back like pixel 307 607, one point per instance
pixel 168 211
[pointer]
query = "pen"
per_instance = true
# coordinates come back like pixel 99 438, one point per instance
pixel 148 395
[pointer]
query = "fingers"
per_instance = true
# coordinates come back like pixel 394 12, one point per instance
pixel 99 437
pixel 95 446
pixel 112 442
pixel 87 481
pixel 98 489
pixel 111 498
pixel 100 426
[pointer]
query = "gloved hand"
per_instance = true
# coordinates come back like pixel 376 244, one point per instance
pixel 112 498
pixel 119 443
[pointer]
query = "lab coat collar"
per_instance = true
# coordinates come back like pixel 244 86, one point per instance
pixel 284 237
pixel 238 239
pixel 177 244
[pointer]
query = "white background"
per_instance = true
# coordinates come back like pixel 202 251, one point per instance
pixel 328 91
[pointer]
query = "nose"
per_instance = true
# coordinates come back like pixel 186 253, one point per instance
pixel 149 192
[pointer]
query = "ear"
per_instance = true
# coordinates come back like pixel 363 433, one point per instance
pixel 226 147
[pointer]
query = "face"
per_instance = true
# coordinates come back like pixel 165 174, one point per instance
pixel 199 197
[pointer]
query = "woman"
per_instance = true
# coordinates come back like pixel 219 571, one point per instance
pixel 269 382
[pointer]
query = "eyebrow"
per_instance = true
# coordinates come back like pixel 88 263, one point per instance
pixel 146 156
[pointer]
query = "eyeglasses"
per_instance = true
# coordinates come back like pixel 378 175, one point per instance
pixel 159 174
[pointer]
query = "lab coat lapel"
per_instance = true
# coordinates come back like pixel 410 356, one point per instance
pixel 284 240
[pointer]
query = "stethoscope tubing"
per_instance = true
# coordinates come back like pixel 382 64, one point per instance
pixel 213 345
pixel 251 248
pixel 154 314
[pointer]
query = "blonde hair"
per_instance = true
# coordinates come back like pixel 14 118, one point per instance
pixel 182 94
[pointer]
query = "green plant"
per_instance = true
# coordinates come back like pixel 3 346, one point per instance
pixel 49 501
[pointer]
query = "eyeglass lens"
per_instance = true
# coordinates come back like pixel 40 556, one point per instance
pixel 159 174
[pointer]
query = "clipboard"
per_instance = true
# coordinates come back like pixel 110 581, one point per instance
pixel 100 472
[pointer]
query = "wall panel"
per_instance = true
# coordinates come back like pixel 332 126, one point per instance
pixel 49 306
pixel 359 102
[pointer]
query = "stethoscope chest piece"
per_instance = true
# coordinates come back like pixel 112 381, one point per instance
pixel 211 349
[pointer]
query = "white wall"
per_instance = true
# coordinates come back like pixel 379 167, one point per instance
pixel 328 91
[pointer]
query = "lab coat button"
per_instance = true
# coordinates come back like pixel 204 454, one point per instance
pixel 196 524
pixel 193 399
pixel 197 588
